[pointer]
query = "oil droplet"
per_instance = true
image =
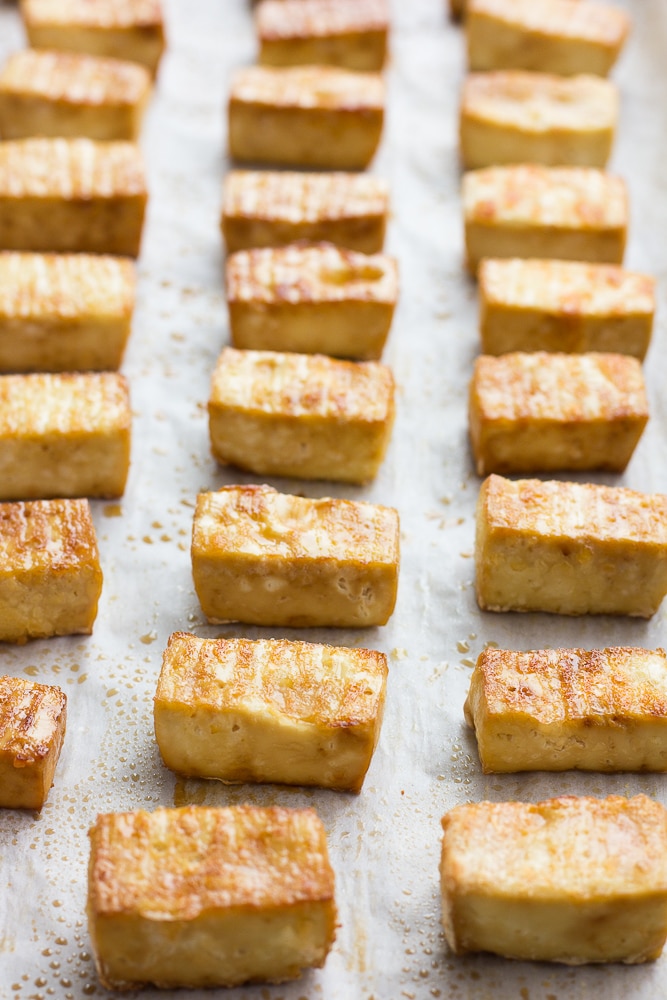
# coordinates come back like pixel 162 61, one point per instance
pixel 89 989
pixel 40 981
pixel 47 952
pixel 463 646
pixel 31 671
pixel 59 940
pixel 113 510
pixel 148 638
pixel 398 653
pixel 184 796
pixel 467 662
pixel 82 679
pixel 56 902
pixel 147 539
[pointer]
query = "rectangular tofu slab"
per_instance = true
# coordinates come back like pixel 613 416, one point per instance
pixel 348 33
pixel 71 195
pixel 50 576
pixel 559 709
pixel 296 713
pixel 570 548
pixel 311 299
pixel 321 117
pixel 546 412
pixel 200 897
pixel 556 305
pixel 65 94
pixel 567 213
pixel 552 36
pixel 64 312
pixel 512 116
pixel 572 880
pixel 269 558
pixel 64 435
pixel 32 729
pixel 270 209
pixel 303 415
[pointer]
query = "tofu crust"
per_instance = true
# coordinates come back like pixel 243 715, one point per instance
pixel 32 729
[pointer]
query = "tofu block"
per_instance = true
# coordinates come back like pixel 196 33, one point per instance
pixel 572 880
pixel 567 213
pixel 268 558
pixel 64 435
pixel 563 709
pixel 553 36
pixel 311 299
pixel 570 548
pixel 305 116
pixel 348 33
pixel 557 305
pixel 65 94
pixel 272 209
pixel 64 312
pixel 32 729
pixel 120 29
pixel 512 116
pixel 71 195
pixel 296 713
pixel 200 897
pixel 547 412
pixel 303 415
pixel 50 576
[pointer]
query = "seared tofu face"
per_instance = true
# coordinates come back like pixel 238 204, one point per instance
pixel 32 730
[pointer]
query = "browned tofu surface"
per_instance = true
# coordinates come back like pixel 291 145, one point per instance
pixel 32 730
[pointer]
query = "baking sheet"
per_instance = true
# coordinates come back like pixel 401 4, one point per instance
pixel 385 843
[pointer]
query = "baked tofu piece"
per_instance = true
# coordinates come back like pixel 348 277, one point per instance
pixel 554 305
pixel 512 116
pixel 64 312
pixel 64 435
pixel 272 209
pixel 32 729
pixel 570 548
pixel 572 880
pixel 559 709
pixel 311 299
pixel 268 558
pixel 305 116
pixel 296 713
pixel 303 415
pixel 528 210
pixel 348 33
pixel 65 94
pixel 547 412
pixel 199 897
pixel 553 36
pixel 50 576
pixel 121 29
pixel 71 195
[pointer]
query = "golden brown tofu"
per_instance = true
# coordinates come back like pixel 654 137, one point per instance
pixel 267 209
pixel 303 415
pixel 199 897
pixel 570 548
pixel 120 29
pixel 546 412
pixel 558 709
pixel 32 730
pixel 64 312
pixel 572 880
pixel 312 299
pixel 50 576
pixel 512 116
pixel 64 435
pixel 71 195
pixel 269 558
pixel 296 713
pixel 305 116
pixel 554 305
pixel 348 33
pixel 552 36
pixel 567 213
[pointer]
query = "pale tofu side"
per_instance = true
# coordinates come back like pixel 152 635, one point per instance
pixel 271 710
pixel 302 415
pixel 50 576
pixel 64 435
pixel 269 558
pixel 546 412
pixel 572 880
pixel 554 305
pixel 570 548
pixel 200 897
pixel 32 729
pixel 559 709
